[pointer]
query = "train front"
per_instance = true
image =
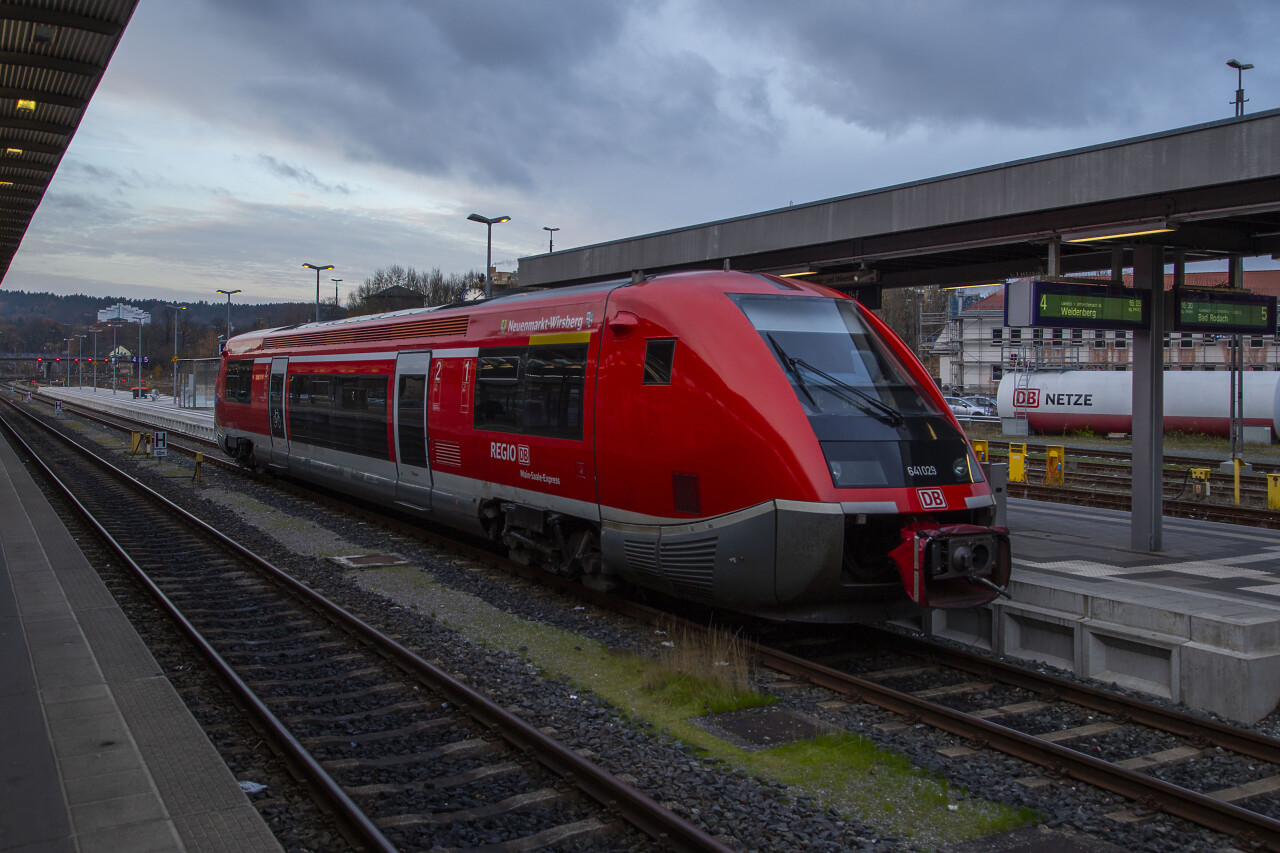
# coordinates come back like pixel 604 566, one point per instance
pixel 916 511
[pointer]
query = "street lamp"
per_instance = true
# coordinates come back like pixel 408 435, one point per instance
pixel 115 374
pixel 66 380
pixel 229 292
pixel 1240 68
pixel 176 309
pixel 80 361
pixel 335 295
pixel 317 269
pixel 140 385
pixel 94 332
pixel 551 238
pixel 488 255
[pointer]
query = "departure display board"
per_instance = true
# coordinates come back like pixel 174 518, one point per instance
pixel 1076 306
pixel 1224 312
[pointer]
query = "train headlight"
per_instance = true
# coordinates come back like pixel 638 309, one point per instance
pixel 961 469
pixel 836 471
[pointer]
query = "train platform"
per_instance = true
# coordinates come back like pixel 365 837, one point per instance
pixel 1196 622
pixel 159 410
pixel 99 752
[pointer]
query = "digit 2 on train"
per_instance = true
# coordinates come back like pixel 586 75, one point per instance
pixel 732 438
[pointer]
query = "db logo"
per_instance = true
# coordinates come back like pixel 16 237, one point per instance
pixel 931 498
pixel 522 454
pixel 1026 398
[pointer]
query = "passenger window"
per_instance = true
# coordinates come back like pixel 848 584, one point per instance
pixel 658 356
pixel 532 390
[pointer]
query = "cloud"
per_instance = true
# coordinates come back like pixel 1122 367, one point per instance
pixel 299 174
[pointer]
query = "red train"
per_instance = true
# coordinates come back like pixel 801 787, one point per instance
pixel 737 439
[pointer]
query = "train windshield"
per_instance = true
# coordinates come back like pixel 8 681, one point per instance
pixel 836 364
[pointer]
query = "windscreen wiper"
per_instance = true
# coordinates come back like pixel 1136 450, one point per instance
pixel 790 364
pixel 877 407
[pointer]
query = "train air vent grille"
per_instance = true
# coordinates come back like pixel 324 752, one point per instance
pixel 685 493
pixel 447 452
pixel 642 556
pixel 690 566
pixel 428 327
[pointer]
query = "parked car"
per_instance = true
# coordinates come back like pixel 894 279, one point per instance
pixel 987 404
pixel 963 408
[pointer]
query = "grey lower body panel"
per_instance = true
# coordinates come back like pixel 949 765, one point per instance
pixel 780 560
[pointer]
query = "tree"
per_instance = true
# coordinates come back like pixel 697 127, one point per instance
pixel 436 287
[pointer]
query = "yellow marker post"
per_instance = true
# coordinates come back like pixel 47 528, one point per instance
pixel 1273 491
pixel 135 443
pixel 1055 456
pixel 980 450
pixel 1239 463
pixel 1018 463
pixel 1200 478
pixel 199 462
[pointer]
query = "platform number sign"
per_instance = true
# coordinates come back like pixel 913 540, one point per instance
pixel 160 448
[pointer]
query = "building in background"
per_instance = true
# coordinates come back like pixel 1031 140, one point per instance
pixel 974 349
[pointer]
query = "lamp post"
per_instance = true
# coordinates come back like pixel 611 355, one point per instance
pixel 176 309
pixel 66 380
pixel 551 238
pixel 80 361
pixel 317 269
pixel 140 357
pixel 94 332
pixel 488 255
pixel 1240 68
pixel 335 296
pixel 228 292
pixel 114 372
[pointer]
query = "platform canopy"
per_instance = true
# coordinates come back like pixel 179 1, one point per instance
pixel 1209 191
pixel 52 55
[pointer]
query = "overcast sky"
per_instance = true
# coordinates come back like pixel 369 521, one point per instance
pixel 233 140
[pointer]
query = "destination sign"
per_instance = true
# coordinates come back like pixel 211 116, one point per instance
pixel 1078 306
pixel 1224 312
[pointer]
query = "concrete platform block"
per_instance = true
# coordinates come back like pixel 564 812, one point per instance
pixel 971 626
pixel 1052 598
pixel 1038 634
pixel 1249 631
pixel 1163 614
pixel 1132 658
pixel 1241 686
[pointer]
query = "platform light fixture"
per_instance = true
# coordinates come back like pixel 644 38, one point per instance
pixel 1117 231
pixel 27 105
pixel 1240 68
pixel 229 293
pixel 488 255
pixel 318 269
pixel 551 238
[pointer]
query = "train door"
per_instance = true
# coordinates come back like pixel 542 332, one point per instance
pixel 275 412
pixel 413 470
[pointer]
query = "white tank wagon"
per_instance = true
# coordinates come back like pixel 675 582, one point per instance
pixel 1102 401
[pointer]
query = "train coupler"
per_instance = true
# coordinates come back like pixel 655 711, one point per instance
pixel 956 565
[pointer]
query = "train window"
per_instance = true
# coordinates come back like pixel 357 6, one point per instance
pixel 658 356
pixel 340 412
pixel 838 365
pixel 411 412
pixel 532 390
pixel 239 380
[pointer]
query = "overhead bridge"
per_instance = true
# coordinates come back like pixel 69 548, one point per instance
pixel 1210 191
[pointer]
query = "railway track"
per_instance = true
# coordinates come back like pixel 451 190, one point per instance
pixel 405 755
pixel 1147 753
pixel 988 704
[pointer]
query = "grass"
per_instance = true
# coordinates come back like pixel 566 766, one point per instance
pixel 689 676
